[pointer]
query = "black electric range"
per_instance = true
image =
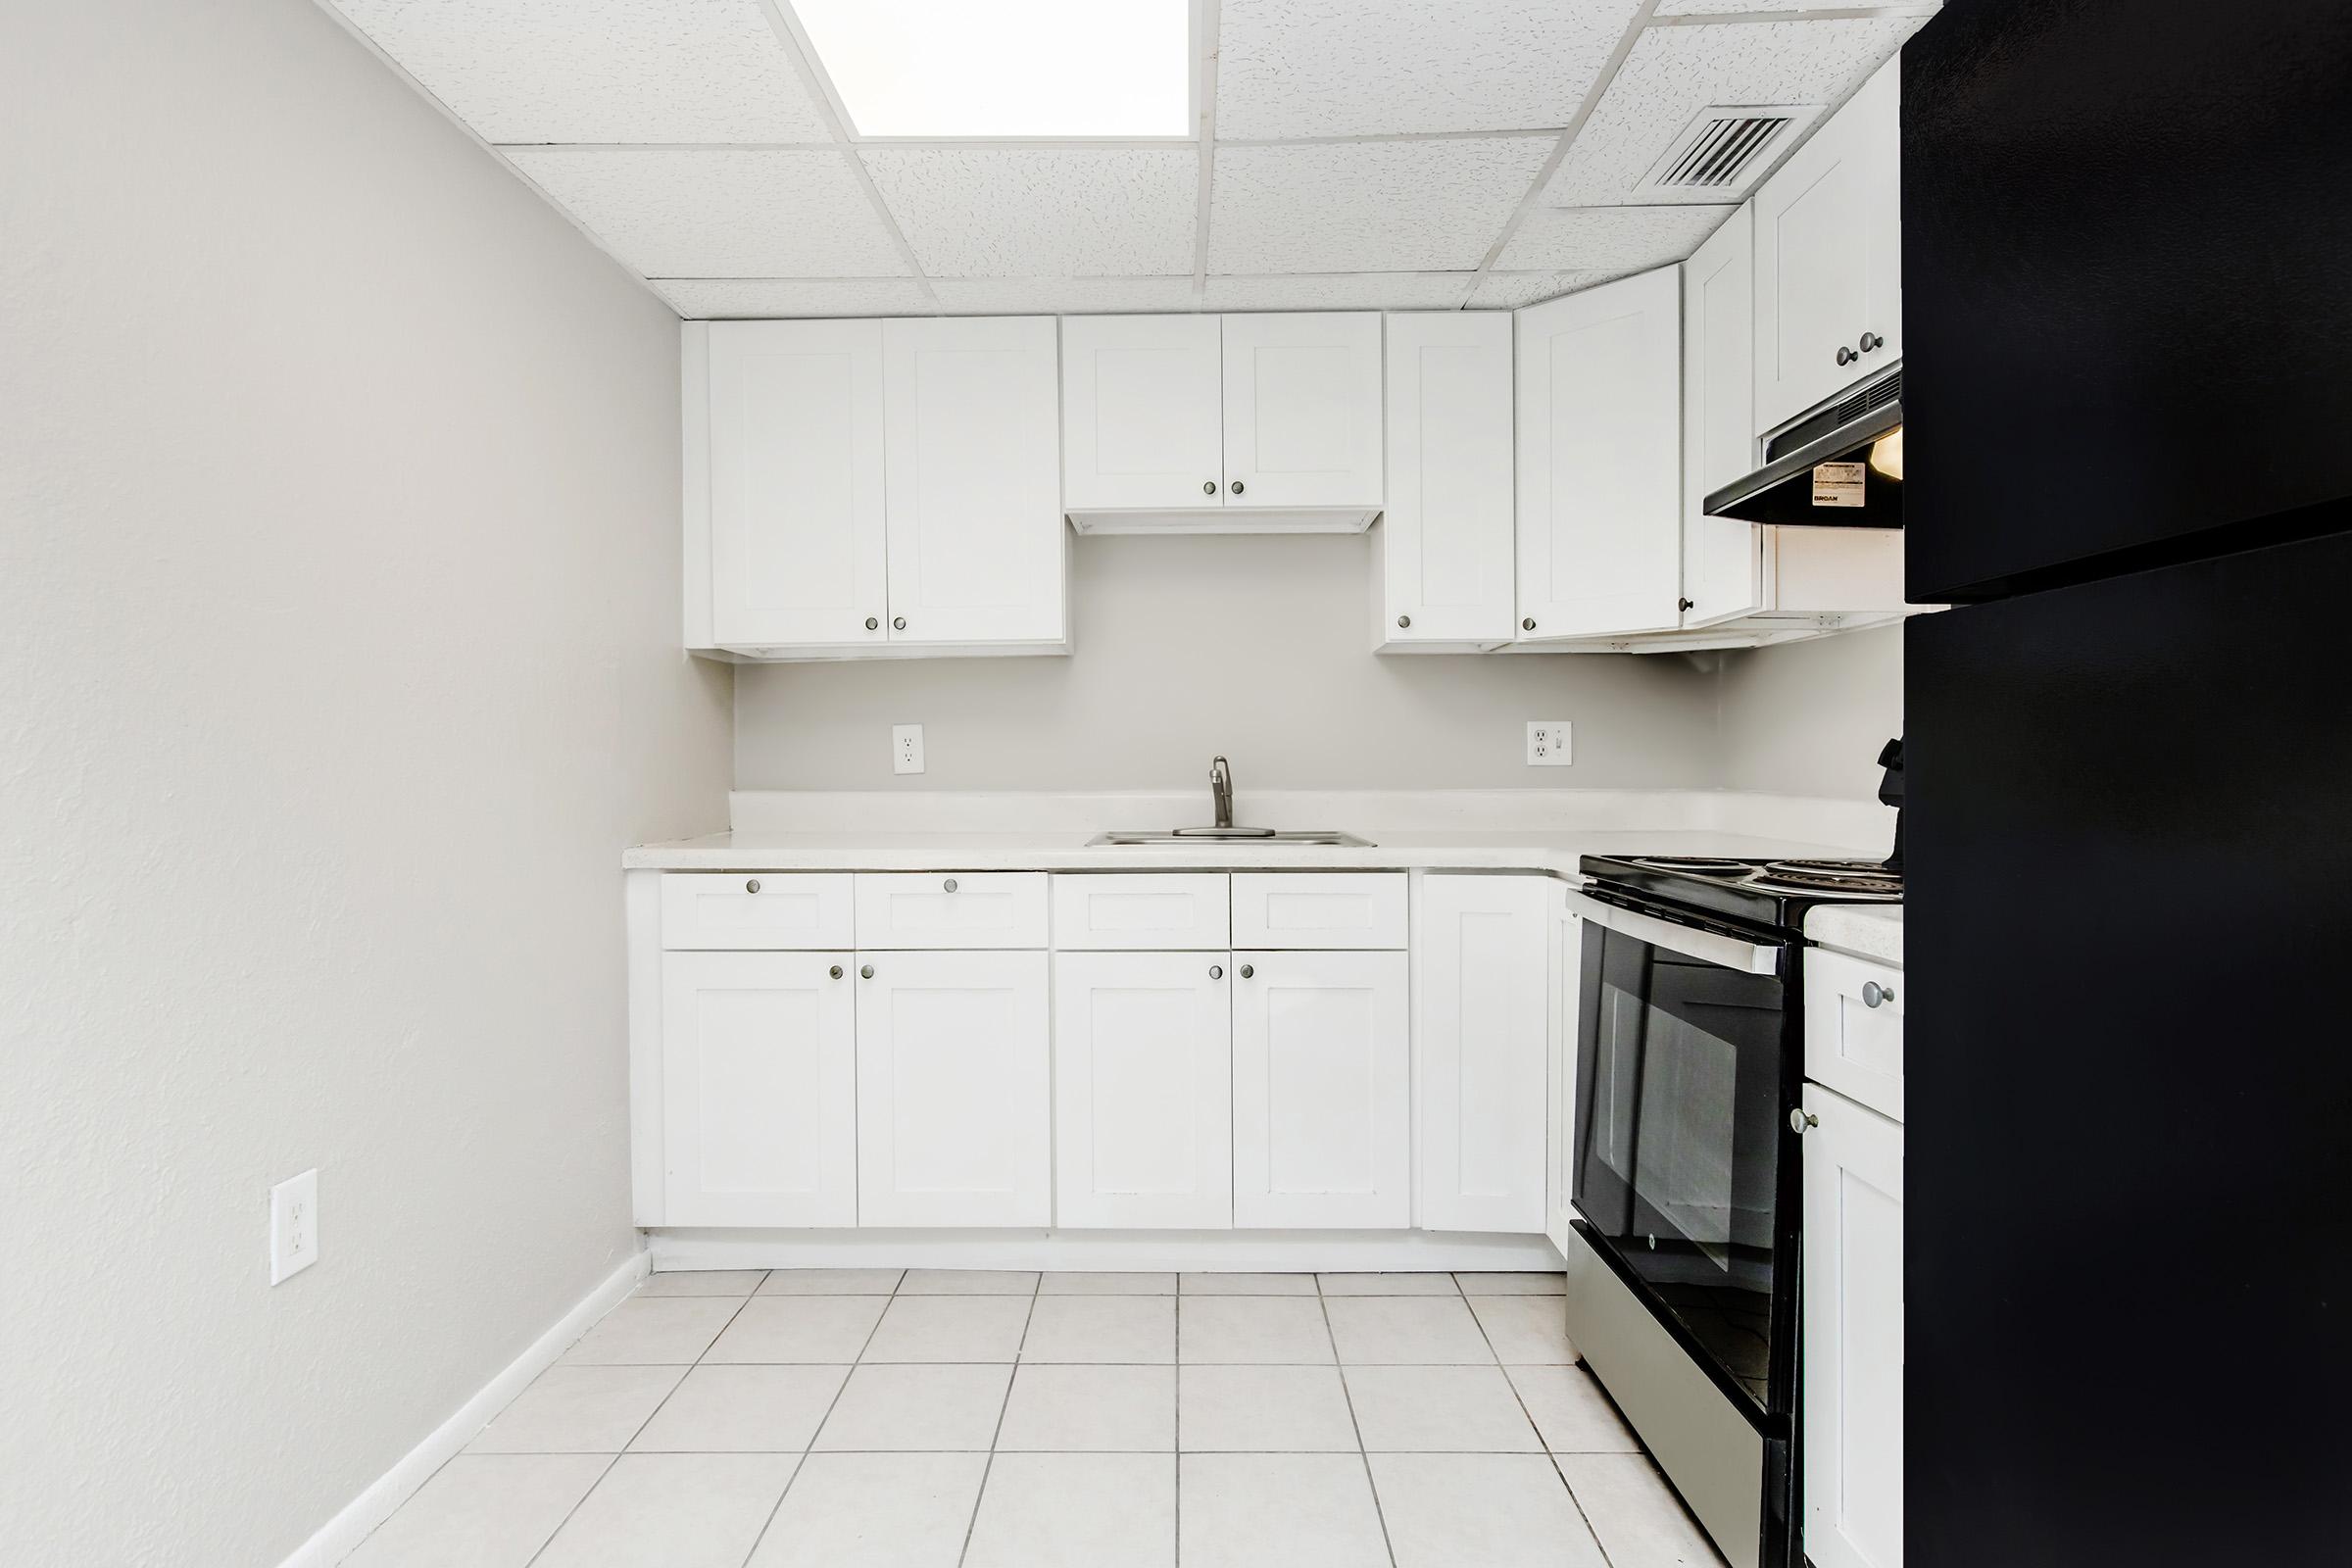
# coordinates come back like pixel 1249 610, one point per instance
pixel 1756 892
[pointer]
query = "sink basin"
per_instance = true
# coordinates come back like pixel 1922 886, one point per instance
pixel 1230 835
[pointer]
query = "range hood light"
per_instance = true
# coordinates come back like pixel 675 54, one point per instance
pixel 1887 454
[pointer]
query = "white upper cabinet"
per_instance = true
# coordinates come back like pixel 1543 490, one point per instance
pixel 1829 257
pixel 974 498
pixel 1600 420
pixel 1143 1090
pixel 1442 557
pixel 759 1089
pixel 1723 573
pixel 1142 413
pixel 795 435
pixel 1303 410
pixel 1482 999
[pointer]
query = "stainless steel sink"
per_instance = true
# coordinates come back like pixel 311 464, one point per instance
pixel 1232 835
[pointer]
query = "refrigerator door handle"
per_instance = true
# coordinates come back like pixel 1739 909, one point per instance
pixel 1707 947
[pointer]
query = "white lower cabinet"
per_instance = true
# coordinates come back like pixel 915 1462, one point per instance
pixel 1143 1091
pixel 1322 1094
pixel 1482 972
pixel 1853 1335
pixel 758 1093
pixel 953 1088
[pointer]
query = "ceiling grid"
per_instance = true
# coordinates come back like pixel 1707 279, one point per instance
pixel 1342 154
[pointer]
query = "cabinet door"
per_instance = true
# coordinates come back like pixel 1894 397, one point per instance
pixel 1142 412
pixel 976 552
pixel 1322 1112
pixel 953 1100
pixel 1829 257
pixel 795 482
pixel 1482 978
pixel 1601 415
pixel 1303 410
pixel 1143 1090
pixel 1723 558
pixel 1446 538
pixel 758 1099
pixel 1853 1349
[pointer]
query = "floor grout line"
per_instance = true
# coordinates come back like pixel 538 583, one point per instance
pixel 1348 1395
pixel 997 1435
pixel 1544 1444
pixel 818 1430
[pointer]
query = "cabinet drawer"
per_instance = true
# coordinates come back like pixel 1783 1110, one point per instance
pixel 1155 910
pixel 951 910
pixel 754 909
pixel 1318 909
pixel 1854 1029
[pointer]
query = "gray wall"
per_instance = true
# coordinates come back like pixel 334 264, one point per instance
pixel 1258 648
pixel 339 576
pixel 1808 719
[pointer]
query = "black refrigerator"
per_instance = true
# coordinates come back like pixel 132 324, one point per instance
pixel 2128 317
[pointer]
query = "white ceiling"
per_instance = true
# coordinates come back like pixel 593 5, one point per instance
pixel 1352 154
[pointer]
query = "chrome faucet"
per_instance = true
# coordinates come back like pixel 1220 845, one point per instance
pixel 1220 789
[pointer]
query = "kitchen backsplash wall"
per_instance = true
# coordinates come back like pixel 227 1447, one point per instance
pixel 1258 648
pixel 1808 719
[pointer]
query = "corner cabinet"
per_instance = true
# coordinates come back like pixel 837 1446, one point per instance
pixel 873 489
pixel 1599 461
pixel 1441 557
pixel 1222 424
pixel 1482 972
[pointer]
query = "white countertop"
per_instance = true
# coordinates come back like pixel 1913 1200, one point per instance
pixel 1865 930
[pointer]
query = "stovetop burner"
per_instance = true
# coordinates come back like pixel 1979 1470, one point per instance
pixel 1765 891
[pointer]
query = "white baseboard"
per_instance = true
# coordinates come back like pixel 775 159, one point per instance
pixel 340 1536
pixel 1273 1252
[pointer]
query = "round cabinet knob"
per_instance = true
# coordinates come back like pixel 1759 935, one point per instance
pixel 1529 624
pixel 949 885
pixel 866 972
pixel 872 624
pixel 1874 993
pixel 834 973
pixel 1404 621
pixel 1872 341
pixel 1799 1120
pixel 1216 971
pixel 1208 487
pixel 898 623
pixel 1248 971
pixel 752 886
pixel 1846 356
pixel 1686 603
pixel 1237 487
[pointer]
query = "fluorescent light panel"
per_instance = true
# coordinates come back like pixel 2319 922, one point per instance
pixel 1008 68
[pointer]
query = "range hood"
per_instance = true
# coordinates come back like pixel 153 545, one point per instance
pixel 1841 467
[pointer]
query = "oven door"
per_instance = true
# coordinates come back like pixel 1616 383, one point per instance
pixel 1683 1045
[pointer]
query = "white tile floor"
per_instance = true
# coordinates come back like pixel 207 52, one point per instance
pixel 866 1418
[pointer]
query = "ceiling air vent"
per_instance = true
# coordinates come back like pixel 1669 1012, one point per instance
pixel 1728 147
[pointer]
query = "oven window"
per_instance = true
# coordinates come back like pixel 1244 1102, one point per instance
pixel 1677 1160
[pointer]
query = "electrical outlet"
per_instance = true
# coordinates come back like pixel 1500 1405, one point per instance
pixel 293 1226
pixel 906 748
pixel 1547 743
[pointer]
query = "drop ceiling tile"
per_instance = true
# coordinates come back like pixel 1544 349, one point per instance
pixel 1350 68
pixel 1063 296
pixel 721 214
pixel 1043 212
pixel 1507 291
pixel 599 71
pixel 718 299
pixel 1367 207
pixel 1619 239
pixel 1673 72
pixel 1346 291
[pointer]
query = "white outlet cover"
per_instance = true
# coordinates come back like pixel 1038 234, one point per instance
pixel 293 1226
pixel 906 748
pixel 1549 743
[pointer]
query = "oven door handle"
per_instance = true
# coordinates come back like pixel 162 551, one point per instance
pixel 1707 947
